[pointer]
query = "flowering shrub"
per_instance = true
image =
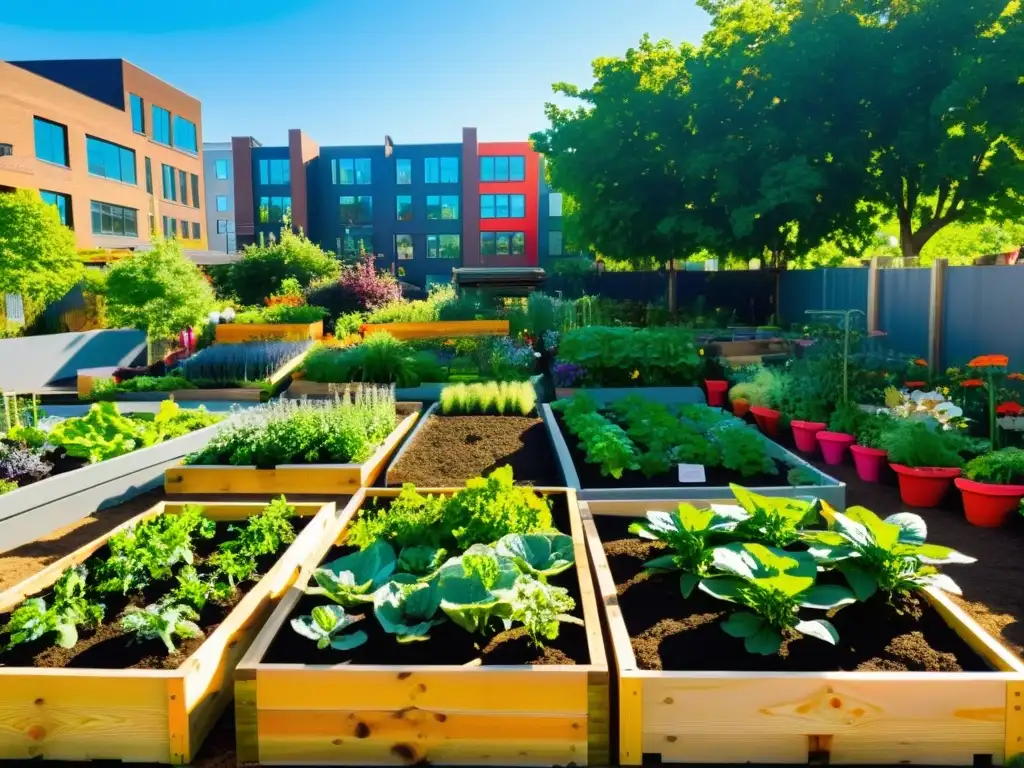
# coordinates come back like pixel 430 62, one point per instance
pixel 567 374
pixel 361 287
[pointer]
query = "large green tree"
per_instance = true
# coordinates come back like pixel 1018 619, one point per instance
pixel 38 258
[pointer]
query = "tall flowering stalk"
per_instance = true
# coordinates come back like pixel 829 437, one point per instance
pixel 989 367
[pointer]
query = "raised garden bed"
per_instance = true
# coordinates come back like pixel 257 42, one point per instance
pixel 444 701
pixel 439 329
pixel 444 451
pixel 690 693
pixel 215 472
pixel 76 488
pixel 609 395
pixel 237 333
pixel 105 700
pixel 743 450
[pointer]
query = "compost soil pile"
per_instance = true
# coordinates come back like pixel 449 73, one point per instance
pixel 109 647
pixel 448 643
pixel 715 477
pixel 669 632
pixel 449 450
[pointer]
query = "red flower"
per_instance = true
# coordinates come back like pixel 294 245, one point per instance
pixel 920 362
pixel 989 361
pixel 1010 409
pixel 972 383
pixel 916 384
pixel 1016 376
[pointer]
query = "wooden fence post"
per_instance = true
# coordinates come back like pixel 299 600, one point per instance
pixel 936 311
pixel 872 308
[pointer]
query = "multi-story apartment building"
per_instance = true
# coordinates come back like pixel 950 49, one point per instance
pixel 115 149
pixel 422 209
pixel 220 196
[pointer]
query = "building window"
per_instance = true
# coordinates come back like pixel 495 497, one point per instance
pixel 403 207
pixel 347 170
pixel 161 125
pixel 51 142
pixel 196 232
pixel 220 168
pixel 356 209
pixel 222 226
pixel 274 209
pixel 502 206
pixel 503 168
pixel 554 243
pixel 403 247
pixel 222 202
pixel 183 185
pixel 169 191
pixel 110 161
pixel 275 172
pixel 403 171
pixel 502 243
pixel 355 241
pixel 61 202
pixel 185 135
pixel 195 191
pixel 174 228
pixel 113 219
pixel 441 170
pixel 444 247
pixel 149 176
pixel 443 207
pixel 555 205
pixel 138 113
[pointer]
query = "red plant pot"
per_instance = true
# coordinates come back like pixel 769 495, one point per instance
pixel 834 445
pixel 740 407
pixel 869 462
pixel 924 486
pixel 805 435
pixel 989 505
pixel 716 392
pixel 767 420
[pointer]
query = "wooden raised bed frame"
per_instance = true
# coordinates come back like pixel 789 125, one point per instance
pixel 238 333
pixel 439 329
pixel 142 715
pixel 322 479
pixel 838 718
pixel 445 715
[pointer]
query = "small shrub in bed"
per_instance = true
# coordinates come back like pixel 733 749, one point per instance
pixel 280 314
pixel 228 364
pixel 515 398
pixel 343 430
pixel 380 359
pixel 632 357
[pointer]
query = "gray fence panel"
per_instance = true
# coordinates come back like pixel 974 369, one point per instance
pixel 984 314
pixel 817 289
pixel 903 309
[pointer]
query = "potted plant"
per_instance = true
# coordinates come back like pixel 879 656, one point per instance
pixel 925 458
pixel 869 457
pixel 840 435
pixel 993 487
pixel 759 391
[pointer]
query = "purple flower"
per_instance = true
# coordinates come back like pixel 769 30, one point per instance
pixel 567 374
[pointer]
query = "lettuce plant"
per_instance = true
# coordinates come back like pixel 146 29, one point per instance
pixel 161 621
pixel 541 608
pixel 101 434
pixel 351 580
pixel 691 534
pixel 887 555
pixel 475 588
pixel 325 624
pixel 407 609
pixel 539 554
pixel 773 585
pixel 69 608
pixel 775 521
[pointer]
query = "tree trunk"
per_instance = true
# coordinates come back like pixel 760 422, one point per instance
pixel 672 286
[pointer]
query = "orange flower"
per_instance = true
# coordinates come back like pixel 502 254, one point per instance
pixel 1010 409
pixel 972 383
pixel 916 384
pixel 920 362
pixel 1016 376
pixel 989 361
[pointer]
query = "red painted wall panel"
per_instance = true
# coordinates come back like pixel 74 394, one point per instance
pixel 529 188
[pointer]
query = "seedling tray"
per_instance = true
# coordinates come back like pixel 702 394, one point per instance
pixel 142 715
pixel 351 714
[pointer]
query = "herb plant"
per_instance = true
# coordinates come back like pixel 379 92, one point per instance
pixel 918 444
pixel 231 364
pixel 512 398
pixel 1003 467
pixel 163 622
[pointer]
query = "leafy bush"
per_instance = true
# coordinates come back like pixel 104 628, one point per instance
pixel 614 357
pixel 6 486
pixel 380 359
pixel 847 419
pixel 107 389
pixel 360 287
pixel 342 430
pixel 872 429
pixel 514 398
pixel 263 269
pixel 603 442
pixel 916 444
pixel 759 386
pixel 231 364
pixel 281 314
pixel 1003 467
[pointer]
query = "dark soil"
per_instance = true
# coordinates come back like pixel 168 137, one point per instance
pixel 672 633
pixel 449 450
pixel 108 647
pixel 448 643
pixel 715 477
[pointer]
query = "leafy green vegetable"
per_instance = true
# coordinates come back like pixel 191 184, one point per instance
pixel 888 555
pixel 421 560
pixel 407 610
pixel 540 608
pixel 69 608
pixel 691 533
pixel 263 534
pixel 161 621
pixel 743 450
pixel 325 624
pixel 195 590
pixel 101 434
pixel 475 588
pixel 774 585
pixel 540 554
pixel 352 579
pixel 771 520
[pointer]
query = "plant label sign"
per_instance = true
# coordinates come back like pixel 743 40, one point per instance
pixel 692 473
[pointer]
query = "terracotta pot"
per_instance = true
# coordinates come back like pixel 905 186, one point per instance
pixel 869 462
pixel 989 505
pixel 716 392
pixel 804 435
pixel 767 420
pixel 924 486
pixel 740 407
pixel 834 445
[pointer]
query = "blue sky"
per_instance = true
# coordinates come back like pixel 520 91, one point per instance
pixel 350 71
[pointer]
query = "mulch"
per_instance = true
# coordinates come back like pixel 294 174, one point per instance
pixel 449 450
